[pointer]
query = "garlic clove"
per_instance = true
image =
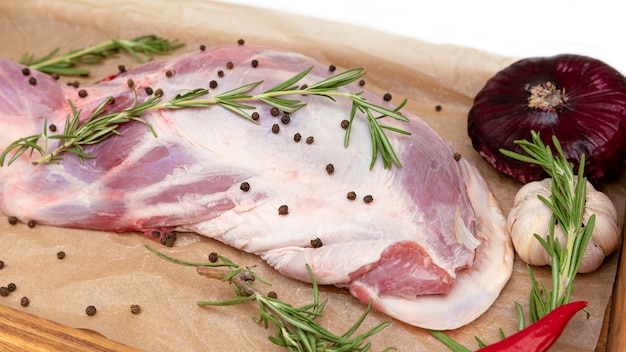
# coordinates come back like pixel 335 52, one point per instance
pixel 529 216
pixel 606 231
pixel 592 258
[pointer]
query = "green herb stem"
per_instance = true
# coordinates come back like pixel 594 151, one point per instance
pixel 141 48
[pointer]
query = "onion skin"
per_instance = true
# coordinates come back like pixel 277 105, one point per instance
pixel 591 120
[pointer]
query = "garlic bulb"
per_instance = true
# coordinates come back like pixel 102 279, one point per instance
pixel 530 215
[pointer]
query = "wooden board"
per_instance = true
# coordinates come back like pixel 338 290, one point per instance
pixel 615 325
pixel 25 332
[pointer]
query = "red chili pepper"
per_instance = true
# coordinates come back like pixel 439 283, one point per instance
pixel 538 337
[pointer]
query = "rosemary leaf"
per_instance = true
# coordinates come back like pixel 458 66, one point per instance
pixel 521 322
pixel 289 106
pixel 228 302
pixel 223 261
pixel 346 139
pixel 396 130
pixel 338 80
pixel 449 342
pixel 237 93
pixel 290 83
pixel 232 274
pixel 237 109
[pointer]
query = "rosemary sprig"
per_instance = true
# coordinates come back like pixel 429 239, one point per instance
pixel 233 100
pixel 142 48
pixel 99 126
pixel 76 135
pixel 296 327
pixel 567 203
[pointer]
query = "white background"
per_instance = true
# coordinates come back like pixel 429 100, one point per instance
pixel 510 28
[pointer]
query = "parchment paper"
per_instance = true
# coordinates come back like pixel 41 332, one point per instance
pixel 113 271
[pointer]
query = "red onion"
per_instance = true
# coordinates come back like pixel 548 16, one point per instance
pixel 580 100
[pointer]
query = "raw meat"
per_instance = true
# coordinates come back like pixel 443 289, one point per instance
pixel 412 250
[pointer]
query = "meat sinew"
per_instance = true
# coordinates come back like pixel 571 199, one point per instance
pixel 411 249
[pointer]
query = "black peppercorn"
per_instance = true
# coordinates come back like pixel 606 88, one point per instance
pixel 156 233
pixel 330 168
pixel 4 291
pixel 82 93
pixel 351 195
pixel 149 91
pixel 316 243
pixel 274 111
pixel 255 116
pixel 438 108
pixel 283 210
pixel 255 63
pixel 304 86
pixel 32 81
pixel 220 73
pixel 310 140
pixel 285 119
pixel 245 186
pixel 240 41
pixel 457 156
pixel 213 257
pixel 387 97
pixel 368 198
pixel 26 71
pixel 246 276
pixel 52 127
pixel 90 310
pixel 362 82
pixel 24 301
pixel 169 73
pixel 121 68
pixel 11 287
pixel 130 83
pixel 213 84
pixel 297 137
pixel 158 93
pixel 275 128
pixel 345 124
pixel 135 309
pixel 31 223
pixel 60 255
pixel 202 47
pixel 332 68
pixel 169 239
pixel 12 220
pixel 272 294
pixel 230 65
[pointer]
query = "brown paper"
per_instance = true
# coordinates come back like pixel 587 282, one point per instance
pixel 113 271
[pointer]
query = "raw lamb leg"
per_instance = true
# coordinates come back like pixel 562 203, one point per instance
pixel 428 247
